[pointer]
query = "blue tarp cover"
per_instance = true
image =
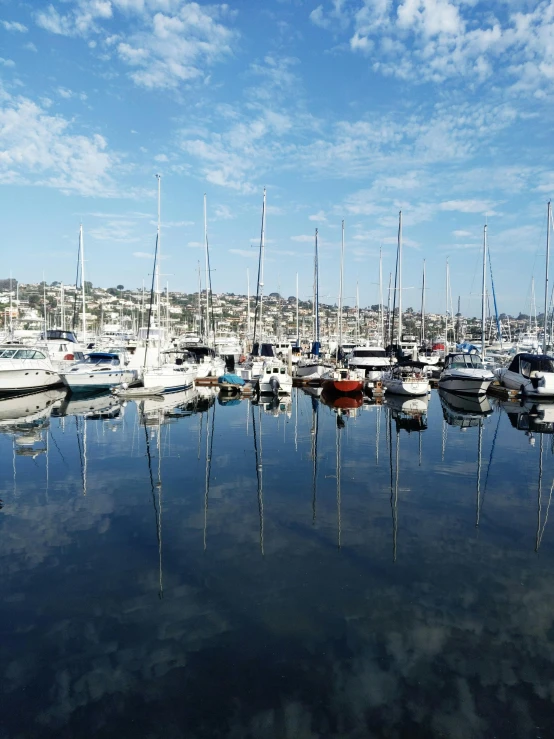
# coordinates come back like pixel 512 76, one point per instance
pixel 231 379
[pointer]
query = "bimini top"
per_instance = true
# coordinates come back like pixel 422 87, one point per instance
pixel 57 334
pixel 102 355
pixel 536 363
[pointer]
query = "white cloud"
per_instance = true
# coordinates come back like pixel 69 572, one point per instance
pixel 319 217
pixel 223 212
pixel 161 158
pixel 7 62
pixel 303 238
pixel 38 148
pixel 469 206
pixel 244 253
pixel 143 255
pixel 14 26
pixel 196 244
pixel 460 234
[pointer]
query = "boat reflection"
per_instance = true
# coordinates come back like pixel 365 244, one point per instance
pixel 160 409
pixel 409 414
pixel 25 417
pixel 464 411
pixel 95 406
pixel 342 402
pixel 530 417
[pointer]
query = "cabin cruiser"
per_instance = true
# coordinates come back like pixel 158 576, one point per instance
pixel 228 348
pixel 99 370
pixel 275 378
pixel 208 364
pixel 372 360
pixel 62 347
pixel 406 378
pixel 531 374
pixel 466 374
pixel 25 369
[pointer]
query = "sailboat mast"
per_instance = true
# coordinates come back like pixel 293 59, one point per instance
pixel 546 276
pixel 199 301
pixel 400 280
pixel 248 305
pixel 423 306
pixel 261 283
pixel 297 322
pixel 357 314
pixel 447 303
pixel 82 245
pixel 381 309
pixel 158 257
pixel 339 344
pixel 207 337
pixel 316 293
pixel 484 287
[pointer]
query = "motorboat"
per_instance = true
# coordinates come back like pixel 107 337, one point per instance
pixel 466 374
pixel 62 347
pixel 171 377
pixel 275 379
pixel 343 381
pixel 372 360
pixel 406 378
pixel 25 369
pixel 311 368
pixel 530 374
pixel 208 364
pixel 99 370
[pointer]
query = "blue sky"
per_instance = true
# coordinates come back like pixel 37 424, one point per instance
pixel 347 109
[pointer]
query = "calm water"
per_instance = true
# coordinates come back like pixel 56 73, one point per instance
pixel 242 571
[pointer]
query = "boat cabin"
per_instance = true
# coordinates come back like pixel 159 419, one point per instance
pixel 530 365
pixel 59 335
pixel 462 360
pixel 9 352
pixel 97 358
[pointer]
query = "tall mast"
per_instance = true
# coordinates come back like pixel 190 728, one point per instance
pixel 447 303
pixel 339 344
pixel 262 255
pixel 248 305
pixel 199 301
pixel 82 245
pixel 357 314
pixel 400 280
pixel 381 313
pixel 484 287
pixel 423 305
pixel 546 276
pixel 207 337
pixel 62 314
pixel 158 239
pixel 297 321
pixel 316 295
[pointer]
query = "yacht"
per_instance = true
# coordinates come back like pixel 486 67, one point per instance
pixel 62 347
pixel 228 348
pixel 372 360
pixel 99 370
pixel 465 374
pixel 531 374
pixel 275 379
pixel 343 381
pixel 25 369
pixel 171 376
pixel 208 364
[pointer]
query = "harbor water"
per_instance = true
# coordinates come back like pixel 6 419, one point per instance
pixel 190 567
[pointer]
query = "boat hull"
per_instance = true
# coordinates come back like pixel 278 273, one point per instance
pixel 343 402
pixel 102 380
pixel 464 386
pixel 168 380
pixel 343 387
pixel 402 387
pixel 27 379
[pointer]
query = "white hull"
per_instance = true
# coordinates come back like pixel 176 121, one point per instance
pixel 210 369
pixel 285 385
pixel 406 387
pixel 465 386
pixel 170 378
pixel 99 380
pixel 311 371
pixel 515 381
pixel 27 379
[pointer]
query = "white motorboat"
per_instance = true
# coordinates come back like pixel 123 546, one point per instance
pixel 25 369
pixel 275 379
pixel 62 347
pixel 99 370
pixel 372 360
pixel 311 368
pixel 530 374
pixel 171 377
pixel 406 379
pixel 465 374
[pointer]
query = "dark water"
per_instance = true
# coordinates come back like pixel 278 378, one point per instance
pixel 203 572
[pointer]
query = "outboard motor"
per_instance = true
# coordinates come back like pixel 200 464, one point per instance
pixel 274 382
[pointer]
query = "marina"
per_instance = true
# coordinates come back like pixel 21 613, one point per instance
pixel 384 567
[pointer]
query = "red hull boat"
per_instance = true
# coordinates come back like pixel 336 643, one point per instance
pixel 343 402
pixel 343 387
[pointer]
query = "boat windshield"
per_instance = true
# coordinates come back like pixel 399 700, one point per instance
pixel 369 353
pixel 466 361
pixel 102 359
pixel 21 354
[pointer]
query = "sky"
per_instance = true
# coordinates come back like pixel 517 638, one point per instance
pixel 342 109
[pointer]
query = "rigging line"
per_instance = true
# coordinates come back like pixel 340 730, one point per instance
pixel 210 296
pixel 314 482
pixel 209 452
pixel 259 477
pixel 74 319
pixel 57 447
pixel 541 533
pixel 151 303
pixel 394 303
pixel 259 275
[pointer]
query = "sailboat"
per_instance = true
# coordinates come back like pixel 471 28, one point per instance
pixel 466 373
pixel 175 375
pixel 312 368
pixel 407 377
pixel 342 380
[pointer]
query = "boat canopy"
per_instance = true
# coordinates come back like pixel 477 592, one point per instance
pixel 525 364
pixel 57 335
pixel 463 361
pixel 263 350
